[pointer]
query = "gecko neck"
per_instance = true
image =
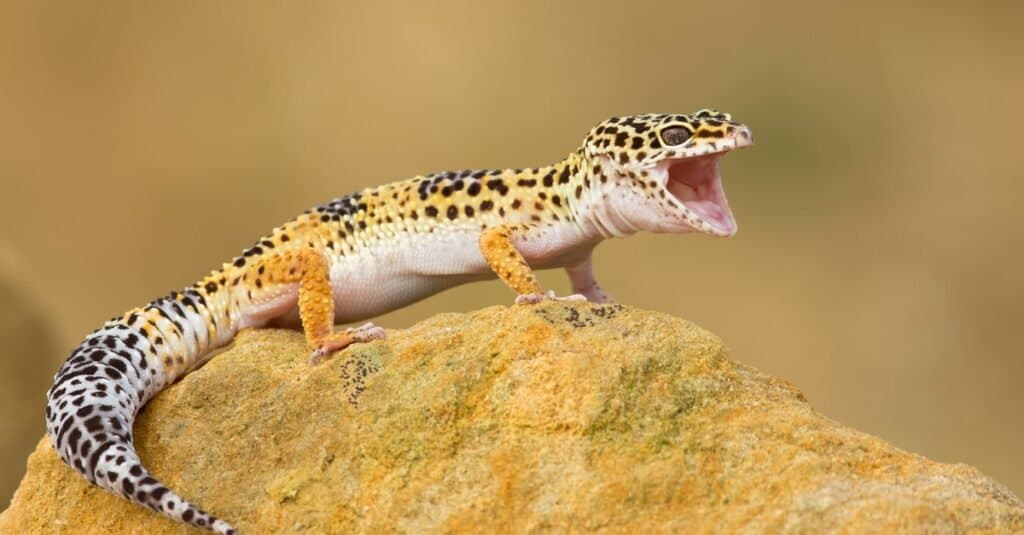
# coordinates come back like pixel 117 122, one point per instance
pixel 600 209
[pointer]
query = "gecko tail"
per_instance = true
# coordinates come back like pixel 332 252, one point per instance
pixel 120 471
pixel 91 408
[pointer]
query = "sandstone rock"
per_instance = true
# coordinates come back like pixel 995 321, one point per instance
pixel 29 356
pixel 557 417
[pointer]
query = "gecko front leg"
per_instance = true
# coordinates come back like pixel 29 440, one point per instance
pixel 508 263
pixel 583 282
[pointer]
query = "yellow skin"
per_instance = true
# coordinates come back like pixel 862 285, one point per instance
pixel 380 249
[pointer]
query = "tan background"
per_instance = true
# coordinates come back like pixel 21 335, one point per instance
pixel 878 264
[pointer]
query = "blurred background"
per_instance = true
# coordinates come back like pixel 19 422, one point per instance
pixel 879 260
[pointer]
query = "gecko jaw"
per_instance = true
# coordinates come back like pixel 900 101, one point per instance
pixel 693 182
pixel 695 185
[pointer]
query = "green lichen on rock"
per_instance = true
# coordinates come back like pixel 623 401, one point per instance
pixel 557 417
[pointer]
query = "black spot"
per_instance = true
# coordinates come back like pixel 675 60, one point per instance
pixel 527 183
pixel 473 189
pixel 469 211
pixel 704 133
pixel 430 211
pixel 549 179
pixel 74 437
pixel 158 493
pixel 563 178
pixel 118 363
pixel 128 486
pixel 211 287
pixel 94 424
pixel 453 212
pixel 486 206
pixel 638 142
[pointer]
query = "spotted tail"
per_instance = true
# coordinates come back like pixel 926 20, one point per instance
pixel 113 373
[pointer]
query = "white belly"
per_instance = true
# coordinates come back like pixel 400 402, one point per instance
pixel 406 268
pixel 402 270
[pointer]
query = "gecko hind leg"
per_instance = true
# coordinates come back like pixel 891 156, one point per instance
pixel 310 269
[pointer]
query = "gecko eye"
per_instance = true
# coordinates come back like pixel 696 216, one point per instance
pixel 675 135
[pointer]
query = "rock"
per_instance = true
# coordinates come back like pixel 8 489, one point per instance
pixel 29 356
pixel 557 417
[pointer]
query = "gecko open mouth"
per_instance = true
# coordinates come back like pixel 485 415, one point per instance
pixel 697 184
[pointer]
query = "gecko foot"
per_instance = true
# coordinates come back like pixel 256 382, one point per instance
pixel 532 299
pixel 366 332
pixel 338 341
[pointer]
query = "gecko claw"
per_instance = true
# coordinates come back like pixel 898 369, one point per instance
pixel 532 299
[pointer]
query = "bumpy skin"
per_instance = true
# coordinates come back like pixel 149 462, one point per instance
pixel 379 249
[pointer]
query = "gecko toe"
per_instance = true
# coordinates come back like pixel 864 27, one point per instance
pixel 532 299
pixel 366 332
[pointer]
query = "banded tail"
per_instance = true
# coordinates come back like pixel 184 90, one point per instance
pixel 111 375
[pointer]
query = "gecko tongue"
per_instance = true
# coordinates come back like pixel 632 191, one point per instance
pixel 697 184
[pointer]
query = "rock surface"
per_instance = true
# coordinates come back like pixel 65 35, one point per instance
pixel 555 417
pixel 29 357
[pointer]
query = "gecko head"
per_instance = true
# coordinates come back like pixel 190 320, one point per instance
pixel 663 169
